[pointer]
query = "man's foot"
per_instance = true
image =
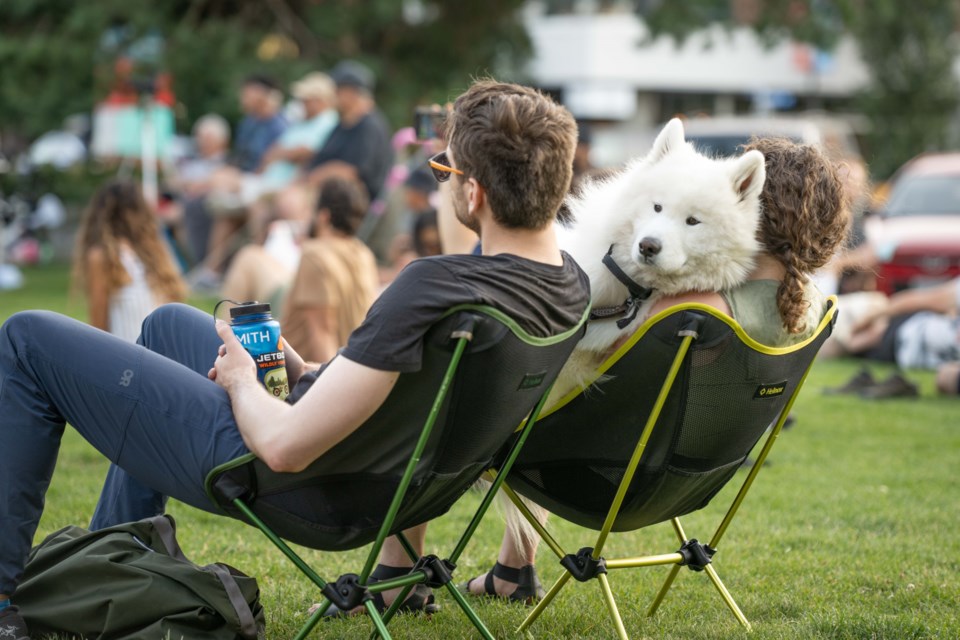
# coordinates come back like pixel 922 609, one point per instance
pixel 862 380
pixel 896 386
pixel 516 585
pixel 12 626
pixel 420 600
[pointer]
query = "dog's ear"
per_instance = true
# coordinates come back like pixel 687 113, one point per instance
pixel 748 174
pixel 669 139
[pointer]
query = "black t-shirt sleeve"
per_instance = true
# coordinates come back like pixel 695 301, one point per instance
pixel 391 336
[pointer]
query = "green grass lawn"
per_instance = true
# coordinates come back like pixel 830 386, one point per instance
pixel 850 533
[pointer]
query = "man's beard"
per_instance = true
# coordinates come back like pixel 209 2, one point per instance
pixel 460 209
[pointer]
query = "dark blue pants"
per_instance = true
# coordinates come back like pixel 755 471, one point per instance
pixel 149 408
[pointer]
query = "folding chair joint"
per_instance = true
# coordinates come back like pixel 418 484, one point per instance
pixel 583 566
pixel 347 593
pixel 438 572
pixel 696 556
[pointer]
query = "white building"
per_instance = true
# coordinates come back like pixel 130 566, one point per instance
pixel 605 67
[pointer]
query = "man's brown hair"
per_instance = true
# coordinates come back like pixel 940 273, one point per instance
pixel 347 203
pixel 518 144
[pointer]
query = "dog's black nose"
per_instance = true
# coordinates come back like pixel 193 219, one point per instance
pixel 650 247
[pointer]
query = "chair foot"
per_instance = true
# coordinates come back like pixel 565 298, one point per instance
pixel 727 598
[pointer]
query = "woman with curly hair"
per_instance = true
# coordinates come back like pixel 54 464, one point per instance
pixel 804 221
pixel 121 262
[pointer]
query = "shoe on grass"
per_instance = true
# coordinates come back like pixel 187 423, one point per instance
pixel 529 591
pixel 862 380
pixel 12 626
pixel 896 386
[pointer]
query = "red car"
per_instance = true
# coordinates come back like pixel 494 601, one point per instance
pixel 917 239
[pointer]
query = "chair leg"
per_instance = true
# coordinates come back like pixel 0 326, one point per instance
pixel 378 622
pixel 612 606
pixel 401 597
pixel 312 621
pixel 663 590
pixel 469 612
pixel 554 590
pixel 726 596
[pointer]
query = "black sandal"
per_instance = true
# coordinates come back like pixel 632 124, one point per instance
pixel 529 590
pixel 420 599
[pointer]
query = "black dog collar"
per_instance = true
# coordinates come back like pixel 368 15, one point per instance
pixel 630 306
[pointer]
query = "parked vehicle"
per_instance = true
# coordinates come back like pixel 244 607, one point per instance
pixel 917 238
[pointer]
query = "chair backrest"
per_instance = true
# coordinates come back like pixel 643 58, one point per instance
pixel 340 501
pixel 728 391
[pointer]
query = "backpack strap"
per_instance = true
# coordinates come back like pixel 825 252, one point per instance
pixel 163 525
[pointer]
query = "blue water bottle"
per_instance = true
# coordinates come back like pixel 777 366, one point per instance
pixel 259 334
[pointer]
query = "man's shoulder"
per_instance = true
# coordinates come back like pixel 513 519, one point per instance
pixel 468 268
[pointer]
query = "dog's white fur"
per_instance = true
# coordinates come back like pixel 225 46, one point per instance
pixel 703 212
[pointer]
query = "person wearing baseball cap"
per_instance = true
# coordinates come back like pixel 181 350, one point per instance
pixel 359 148
pixel 281 163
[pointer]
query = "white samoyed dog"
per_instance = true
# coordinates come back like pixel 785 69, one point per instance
pixel 673 222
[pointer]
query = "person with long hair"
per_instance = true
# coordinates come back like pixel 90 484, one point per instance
pixel 121 262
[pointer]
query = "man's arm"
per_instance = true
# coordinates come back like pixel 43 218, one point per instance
pixel 297 155
pixel 941 298
pixel 289 437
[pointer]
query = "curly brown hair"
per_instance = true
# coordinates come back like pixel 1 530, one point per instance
pixel 804 218
pixel 117 213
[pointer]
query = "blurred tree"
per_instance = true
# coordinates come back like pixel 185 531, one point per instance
pixel 909 50
pixel 58 56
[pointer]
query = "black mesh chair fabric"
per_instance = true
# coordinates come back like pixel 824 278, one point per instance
pixel 726 395
pixel 340 501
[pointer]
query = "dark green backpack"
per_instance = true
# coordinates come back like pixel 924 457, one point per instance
pixel 132 582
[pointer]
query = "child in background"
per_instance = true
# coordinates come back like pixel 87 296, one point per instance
pixel 121 262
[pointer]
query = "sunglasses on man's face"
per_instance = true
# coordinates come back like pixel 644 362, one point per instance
pixel 440 165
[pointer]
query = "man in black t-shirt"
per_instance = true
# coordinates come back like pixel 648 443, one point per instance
pixel 359 147
pixel 165 425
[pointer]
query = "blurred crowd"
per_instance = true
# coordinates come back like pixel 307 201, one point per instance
pixel 916 328
pixel 314 205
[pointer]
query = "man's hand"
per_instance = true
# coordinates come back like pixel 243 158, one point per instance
pixel 295 364
pixel 233 365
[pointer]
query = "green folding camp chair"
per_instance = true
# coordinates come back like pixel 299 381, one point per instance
pixel 438 430
pixel 684 402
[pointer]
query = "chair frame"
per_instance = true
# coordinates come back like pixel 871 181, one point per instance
pixel 351 590
pixel 588 563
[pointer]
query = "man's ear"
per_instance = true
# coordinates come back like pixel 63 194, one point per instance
pixel 476 196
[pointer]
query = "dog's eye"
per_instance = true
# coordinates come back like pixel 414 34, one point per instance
pixel 658 207
pixel 692 221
